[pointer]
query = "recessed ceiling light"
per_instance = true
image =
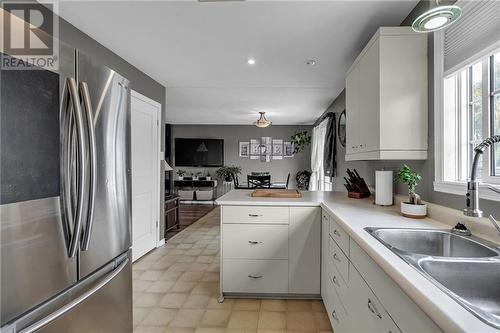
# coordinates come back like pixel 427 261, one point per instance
pixel 251 61
pixel 311 62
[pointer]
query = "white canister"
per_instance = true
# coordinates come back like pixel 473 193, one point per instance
pixel 383 188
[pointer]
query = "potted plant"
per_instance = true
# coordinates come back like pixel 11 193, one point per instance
pixel 300 140
pixel 226 172
pixel 302 179
pixel 180 173
pixel 208 177
pixel 414 207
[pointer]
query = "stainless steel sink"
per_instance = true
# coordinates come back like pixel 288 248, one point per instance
pixel 474 284
pixel 466 268
pixel 437 243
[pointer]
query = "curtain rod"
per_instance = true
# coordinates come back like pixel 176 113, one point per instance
pixel 323 117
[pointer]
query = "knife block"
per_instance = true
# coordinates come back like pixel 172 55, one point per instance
pixel 357 195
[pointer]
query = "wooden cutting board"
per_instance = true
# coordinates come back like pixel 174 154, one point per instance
pixel 276 193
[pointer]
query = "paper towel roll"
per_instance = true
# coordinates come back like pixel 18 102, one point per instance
pixel 383 187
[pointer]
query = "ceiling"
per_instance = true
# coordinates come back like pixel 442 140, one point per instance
pixel 199 51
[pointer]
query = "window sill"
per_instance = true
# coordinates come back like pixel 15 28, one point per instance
pixel 459 188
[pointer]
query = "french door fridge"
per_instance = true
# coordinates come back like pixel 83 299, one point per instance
pixel 65 198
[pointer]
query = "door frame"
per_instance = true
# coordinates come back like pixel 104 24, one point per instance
pixel 155 104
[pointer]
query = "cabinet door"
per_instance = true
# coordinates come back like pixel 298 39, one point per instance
pixel 304 236
pixel 369 104
pixel 352 111
pixel 366 308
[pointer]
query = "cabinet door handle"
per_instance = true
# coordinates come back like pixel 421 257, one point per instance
pixel 334 315
pixel 373 309
pixel 254 242
pixel 334 280
pixel 336 257
pixel 254 215
pixel 255 276
pixel 336 232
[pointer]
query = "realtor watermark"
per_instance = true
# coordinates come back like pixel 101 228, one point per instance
pixel 29 39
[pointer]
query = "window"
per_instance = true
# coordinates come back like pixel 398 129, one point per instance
pixel 495 115
pixel 471 113
pixel 466 69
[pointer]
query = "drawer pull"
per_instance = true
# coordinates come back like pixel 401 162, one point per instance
pixel 254 215
pixel 334 280
pixel 254 242
pixel 256 276
pixel 336 232
pixel 334 315
pixel 373 309
pixel 336 257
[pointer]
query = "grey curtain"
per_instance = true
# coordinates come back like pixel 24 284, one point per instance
pixel 330 152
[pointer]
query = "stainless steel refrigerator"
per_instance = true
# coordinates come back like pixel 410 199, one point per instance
pixel 65 198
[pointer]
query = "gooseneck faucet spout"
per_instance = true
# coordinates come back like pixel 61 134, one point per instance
pixel 472 195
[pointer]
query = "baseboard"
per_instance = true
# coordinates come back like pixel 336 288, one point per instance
pixel 161 242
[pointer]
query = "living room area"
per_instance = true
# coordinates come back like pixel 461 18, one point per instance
pixel 207 161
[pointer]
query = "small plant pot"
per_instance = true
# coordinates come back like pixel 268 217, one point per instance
pixel 181 178
pixel 413 211
pixel 208 178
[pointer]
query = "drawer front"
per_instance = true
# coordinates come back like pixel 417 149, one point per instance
pixel 339 259
pixel 255 214
pixel 338 282
pixel 246 241
pixel 339 235
pixel 255 276
pixel 370 314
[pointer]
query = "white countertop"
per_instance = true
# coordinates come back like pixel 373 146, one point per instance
pixel 354 215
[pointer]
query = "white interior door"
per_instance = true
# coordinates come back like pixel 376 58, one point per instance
pixel 145 145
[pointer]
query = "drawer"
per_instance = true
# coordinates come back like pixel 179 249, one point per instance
pixel 247 241
pixel 255 276
pixel 371 316
pixel 339 259
pixel 338 282
pixel 255 214
pixel 339 235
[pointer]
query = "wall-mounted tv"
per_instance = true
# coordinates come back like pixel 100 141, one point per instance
pixel 199 152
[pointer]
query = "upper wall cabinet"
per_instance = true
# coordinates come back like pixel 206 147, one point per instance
pixel 386 98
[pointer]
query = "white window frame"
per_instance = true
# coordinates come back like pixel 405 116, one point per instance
pixel 441 185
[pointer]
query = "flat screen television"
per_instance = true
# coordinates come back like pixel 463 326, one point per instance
pixel 199 152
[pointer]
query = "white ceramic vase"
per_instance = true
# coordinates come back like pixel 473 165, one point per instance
pixel 413 211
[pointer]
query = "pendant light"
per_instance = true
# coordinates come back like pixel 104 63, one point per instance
pixel 436 18
pixel 262 121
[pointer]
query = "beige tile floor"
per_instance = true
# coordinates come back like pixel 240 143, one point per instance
pixel 176 288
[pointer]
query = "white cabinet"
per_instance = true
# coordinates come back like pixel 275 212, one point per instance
pixel 386 98
pixel 358 295
pixel 304 250
pixel 271 250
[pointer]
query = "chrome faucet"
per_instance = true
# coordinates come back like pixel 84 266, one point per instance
pixel 472 195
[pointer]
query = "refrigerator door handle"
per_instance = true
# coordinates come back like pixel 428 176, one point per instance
pixel 84 90
pixel 67 120
pixel 59 312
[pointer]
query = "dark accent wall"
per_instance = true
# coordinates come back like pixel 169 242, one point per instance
pixel 425 168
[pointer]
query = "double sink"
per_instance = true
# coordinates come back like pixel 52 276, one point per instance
pixel 466 268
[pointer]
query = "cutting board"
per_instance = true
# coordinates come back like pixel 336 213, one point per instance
pixel 276 193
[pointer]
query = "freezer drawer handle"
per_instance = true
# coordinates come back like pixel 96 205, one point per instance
pixel 84 90
pixel 56 314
